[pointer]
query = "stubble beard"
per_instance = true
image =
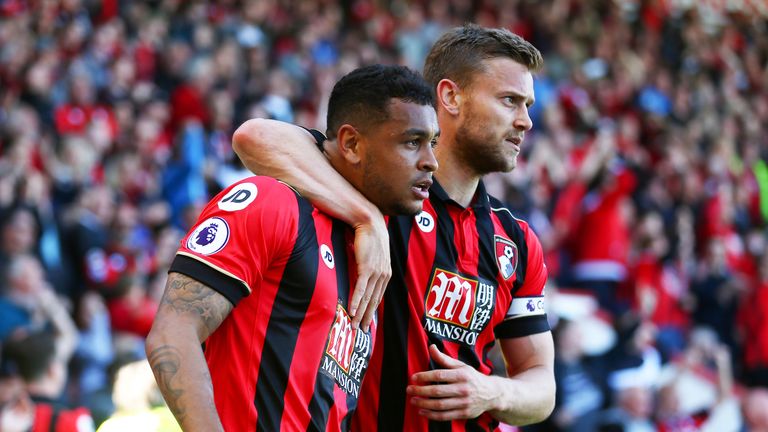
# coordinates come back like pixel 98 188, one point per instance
pixel 481 151
pixel 385 196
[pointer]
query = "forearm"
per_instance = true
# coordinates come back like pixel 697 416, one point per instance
pixel 527 398
pixel 183 378
pixel 528 395
pixel 288 153
pixel 189 312
pixel 66 331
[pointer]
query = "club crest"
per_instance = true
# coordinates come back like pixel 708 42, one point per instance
pixel 506 256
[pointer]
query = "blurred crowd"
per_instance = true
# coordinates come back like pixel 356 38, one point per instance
pixel 645 176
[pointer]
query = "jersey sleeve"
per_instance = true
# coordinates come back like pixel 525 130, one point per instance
pixel 238 235
pixel 526 314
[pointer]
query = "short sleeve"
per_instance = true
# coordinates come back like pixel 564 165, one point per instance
pixel 238 235
pixel 526 314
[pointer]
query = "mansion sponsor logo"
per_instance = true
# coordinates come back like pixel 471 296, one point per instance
pixel 347 353
pixel 458 308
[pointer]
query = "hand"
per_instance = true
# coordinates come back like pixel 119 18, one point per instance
pixel 456 392
pixel 373 271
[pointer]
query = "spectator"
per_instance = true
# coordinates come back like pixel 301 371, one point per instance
pixel 44 372
pixel 580 392
pixel 139 404
pixel 28 303
pixel 753 410
pixel 17 412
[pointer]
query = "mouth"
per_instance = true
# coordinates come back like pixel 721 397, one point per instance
pixel 421 189
pixel 516 142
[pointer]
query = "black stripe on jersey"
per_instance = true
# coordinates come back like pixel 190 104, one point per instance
pixel 229 287
pixel 290 306
pixel 394 371
pixel 487 267
pixel 339 242
pixel 517 235
pixel 323 398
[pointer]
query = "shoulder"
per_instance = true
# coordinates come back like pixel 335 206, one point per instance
pixel 265 193
pixel 509 220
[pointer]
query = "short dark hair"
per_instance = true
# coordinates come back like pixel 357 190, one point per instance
pixel 362 96
pixel 30 354
pixel 459 53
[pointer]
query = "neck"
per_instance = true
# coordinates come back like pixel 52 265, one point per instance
pixel 458 180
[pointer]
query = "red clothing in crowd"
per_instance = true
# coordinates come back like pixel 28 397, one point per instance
pixel 602 235
pixel 50 419
pixel 662 287
pixel 753 321
pixel 187 103
pixel 74 119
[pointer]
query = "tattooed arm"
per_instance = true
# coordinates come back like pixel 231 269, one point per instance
pixel 189 312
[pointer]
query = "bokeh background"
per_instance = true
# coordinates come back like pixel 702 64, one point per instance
pixel 645 176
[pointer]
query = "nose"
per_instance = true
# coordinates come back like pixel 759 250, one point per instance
pixel 427 159
pixel 523 120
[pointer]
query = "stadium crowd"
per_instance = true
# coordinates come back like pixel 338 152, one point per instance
pixel 645 176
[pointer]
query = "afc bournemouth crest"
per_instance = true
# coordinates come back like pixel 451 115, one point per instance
pixel 506 256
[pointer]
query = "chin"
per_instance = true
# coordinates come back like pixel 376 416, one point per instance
pixel 407 209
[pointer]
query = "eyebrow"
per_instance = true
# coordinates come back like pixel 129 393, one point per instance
pixel 421 133
pixel 519 96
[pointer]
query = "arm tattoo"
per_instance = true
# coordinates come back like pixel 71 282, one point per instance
pixel 186 295
pixel 166 361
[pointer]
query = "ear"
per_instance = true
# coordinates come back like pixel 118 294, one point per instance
pixel 348 143
pixel 449 96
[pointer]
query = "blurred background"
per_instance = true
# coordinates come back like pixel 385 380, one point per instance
pixel 645 176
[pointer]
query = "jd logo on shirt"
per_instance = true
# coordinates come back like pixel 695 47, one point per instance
pixel 425 222
pixel 327 256
pixel 239 197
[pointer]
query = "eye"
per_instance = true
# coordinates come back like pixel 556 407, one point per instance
pixel 433 143
pixel 414 143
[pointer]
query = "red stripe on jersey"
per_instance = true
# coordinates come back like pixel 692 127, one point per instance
pixel 421 257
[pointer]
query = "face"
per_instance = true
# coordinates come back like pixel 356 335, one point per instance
pixel 397 158
pixel 493 116
pixel 17 411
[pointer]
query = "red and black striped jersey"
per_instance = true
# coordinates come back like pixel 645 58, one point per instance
pixel 462 278
pixel 287 357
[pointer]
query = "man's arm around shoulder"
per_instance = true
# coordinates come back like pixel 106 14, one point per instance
pixel 289 153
